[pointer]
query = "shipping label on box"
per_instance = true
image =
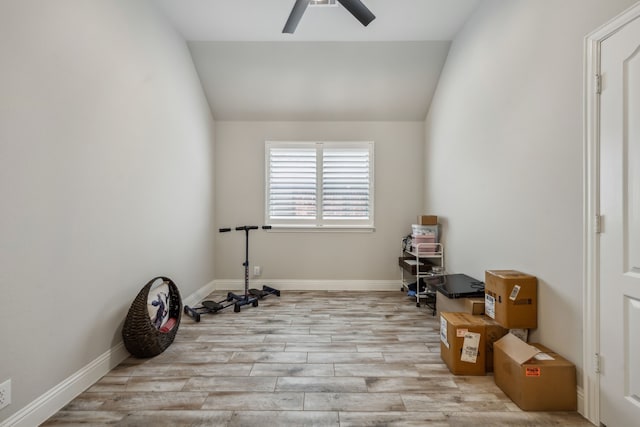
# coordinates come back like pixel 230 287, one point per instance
pixel 489 305
pixel 443 331
pixel 514 292
pixel 470 347
pixel 543 356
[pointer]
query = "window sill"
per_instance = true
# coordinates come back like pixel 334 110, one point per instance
pixel 282 228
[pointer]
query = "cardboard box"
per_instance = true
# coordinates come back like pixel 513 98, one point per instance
pixel 457 324
pixel 462 343
pixel 463 305
pixel 493 331
pixel 474 305
pixel 523 334
pixel 427 219
pixel 511 298
pixel 534 377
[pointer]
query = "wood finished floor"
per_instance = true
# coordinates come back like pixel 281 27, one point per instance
pixel 304 359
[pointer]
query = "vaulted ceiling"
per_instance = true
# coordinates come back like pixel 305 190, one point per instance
pixel 331 68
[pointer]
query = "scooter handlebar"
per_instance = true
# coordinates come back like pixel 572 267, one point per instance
pixel 245 227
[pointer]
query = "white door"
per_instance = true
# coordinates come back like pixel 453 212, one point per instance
pixel 620 239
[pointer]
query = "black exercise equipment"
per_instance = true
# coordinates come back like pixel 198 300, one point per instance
pixel 209 307
pixel 251 296
pixel 265 291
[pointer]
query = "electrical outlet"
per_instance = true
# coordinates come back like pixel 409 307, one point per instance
pixel 257 270
pixel 5 394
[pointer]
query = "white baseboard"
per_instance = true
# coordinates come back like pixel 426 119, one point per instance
pixel 581 402
pixel 59 396
pixel 56 398
pixel 312 285
pixel 199 294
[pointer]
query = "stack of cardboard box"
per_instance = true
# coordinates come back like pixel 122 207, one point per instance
pixel 533 376
pixel 425 232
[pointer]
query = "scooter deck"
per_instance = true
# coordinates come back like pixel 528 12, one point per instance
pixel 265 291
pixel 208 307
pixel 244 300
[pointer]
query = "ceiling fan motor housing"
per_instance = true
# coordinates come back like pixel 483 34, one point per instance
pixel 355 7
pixel 323 3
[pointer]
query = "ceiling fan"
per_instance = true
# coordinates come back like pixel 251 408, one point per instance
pixel 356 7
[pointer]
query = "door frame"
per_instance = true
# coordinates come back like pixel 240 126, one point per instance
pixel 592 223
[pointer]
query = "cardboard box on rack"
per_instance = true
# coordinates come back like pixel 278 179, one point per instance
pixel 511 298
pixel 533 376
pixel 427 219
pixel 462 343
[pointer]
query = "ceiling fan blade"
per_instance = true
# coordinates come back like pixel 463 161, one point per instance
pixel 294 17
pixel 359 10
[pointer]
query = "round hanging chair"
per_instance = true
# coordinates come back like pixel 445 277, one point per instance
pixel 153 318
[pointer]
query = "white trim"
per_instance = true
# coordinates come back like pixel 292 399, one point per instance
pixel 321 229
pixel 199 295
pixel 580 394
pixel 52 401
pixel 312 285
pixel 320 222
pixel 591 286
pixel 590 316
pixel 56 398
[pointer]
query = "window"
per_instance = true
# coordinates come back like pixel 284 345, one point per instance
pixel 319 184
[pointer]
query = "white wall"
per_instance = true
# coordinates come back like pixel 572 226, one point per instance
pixel 504 150
pixel 106 179
pixel 341 81
pixel 320 255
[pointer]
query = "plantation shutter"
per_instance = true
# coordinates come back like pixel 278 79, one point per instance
pixel 292 188
pixel 319 184
pixel 346 183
